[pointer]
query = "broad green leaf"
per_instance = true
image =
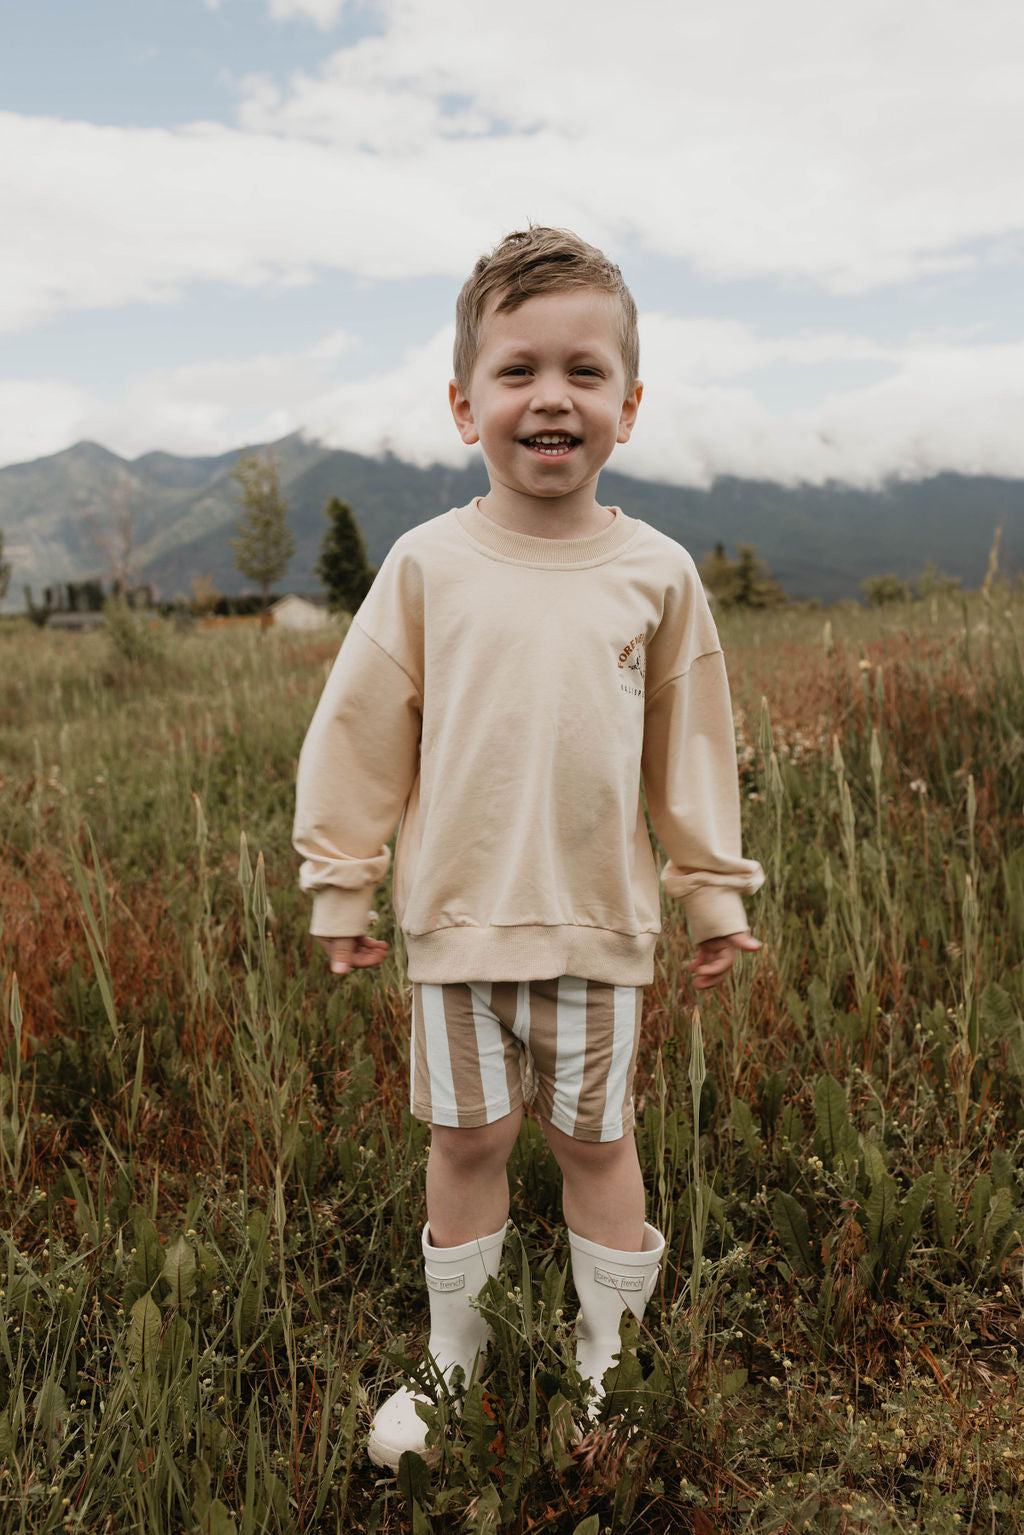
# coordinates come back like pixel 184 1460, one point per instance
pixel 175 1345
pixel 258 1229
pixel 733 1383
pixel 873 1160
pixel 1000 1019
pixel 945 1210
pixel 149 1252
pixel 834 1128
pixel 791 1125
pixel 180 1270
pixel 743 1127
pixel 207 1268
pixel 247 1308
pixel 911 1214
pixel 413 1480
pixel 51 1409
pixel 981 1198
pixel 881 1208
pixel 478 1428
pixel 794 1234
pixel 1005 1241
pixel 563 1432
pixel 772 1090
pixel 998 1010
pixel 1004 1173
pixel 144 1332
pixel 1000 1214
pixel 797 1012
pixel 273 1499
pixel 591 1525
pixel 217 1520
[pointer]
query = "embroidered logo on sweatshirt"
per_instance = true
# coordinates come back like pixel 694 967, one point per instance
pixel 443 1286
pixel 633 665
pixel 618 1281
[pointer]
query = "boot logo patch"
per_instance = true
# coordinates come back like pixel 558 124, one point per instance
pixel 618 1281
pixel 443 1286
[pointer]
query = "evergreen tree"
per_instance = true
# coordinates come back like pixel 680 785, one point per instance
pixel 878 590
pixel 264 546
pixel 5 569
pixel 742 583
pixel 718 574
pixel 342 566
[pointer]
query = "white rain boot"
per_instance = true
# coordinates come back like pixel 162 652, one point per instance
pixel 458 1336
pixel 607 1282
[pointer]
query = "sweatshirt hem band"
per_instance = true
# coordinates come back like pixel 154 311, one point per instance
pixel 530 954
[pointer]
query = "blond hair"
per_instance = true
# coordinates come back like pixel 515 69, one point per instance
pixel 532 261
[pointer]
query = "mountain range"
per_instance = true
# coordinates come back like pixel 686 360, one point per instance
pixel 81 512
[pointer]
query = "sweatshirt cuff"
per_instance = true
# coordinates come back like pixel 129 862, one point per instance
pixel 714 912
pixel 340 913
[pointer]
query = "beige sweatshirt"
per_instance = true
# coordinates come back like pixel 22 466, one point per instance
pixel 506 696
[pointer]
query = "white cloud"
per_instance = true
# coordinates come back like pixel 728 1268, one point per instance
pixel 942 406
pixel 336 344
pixel 842 147
pixel 39 417
pixel 324 12
pixel 851 146
pixel 96 217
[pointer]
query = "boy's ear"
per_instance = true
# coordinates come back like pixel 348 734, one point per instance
pixel 630 406
pixel 463 413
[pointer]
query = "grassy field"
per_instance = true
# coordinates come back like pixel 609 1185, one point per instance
pixel 212 1189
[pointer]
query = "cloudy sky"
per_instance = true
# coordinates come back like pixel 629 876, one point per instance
pixel 224 220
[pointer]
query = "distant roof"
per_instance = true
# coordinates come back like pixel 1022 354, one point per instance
pixel 313 602
pixel 75 621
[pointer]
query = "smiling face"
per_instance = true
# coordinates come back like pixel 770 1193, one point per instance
pixel 547 402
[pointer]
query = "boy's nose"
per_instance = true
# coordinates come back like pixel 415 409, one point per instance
pixel 550 395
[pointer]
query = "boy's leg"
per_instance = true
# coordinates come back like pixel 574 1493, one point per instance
pixel 616 1255
pixel 467 1185
pixel 602 1188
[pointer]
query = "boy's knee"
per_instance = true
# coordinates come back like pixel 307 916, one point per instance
pixel 595 1156
pixel 469 1146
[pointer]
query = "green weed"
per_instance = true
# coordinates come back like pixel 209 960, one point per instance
pixel 212 1187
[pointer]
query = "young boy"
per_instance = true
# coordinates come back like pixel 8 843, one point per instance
pixel 522 667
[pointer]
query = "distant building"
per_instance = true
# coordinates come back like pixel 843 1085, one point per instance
pixel 75 621
pixel 293 612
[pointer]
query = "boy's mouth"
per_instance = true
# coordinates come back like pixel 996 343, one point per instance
pixel 551 444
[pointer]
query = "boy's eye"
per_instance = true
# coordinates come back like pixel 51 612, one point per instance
pixel 588 372
pixel 519 372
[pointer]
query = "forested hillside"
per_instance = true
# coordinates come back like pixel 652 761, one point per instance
pixel 73 514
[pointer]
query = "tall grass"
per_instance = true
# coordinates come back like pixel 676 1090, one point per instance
pixel 212 1189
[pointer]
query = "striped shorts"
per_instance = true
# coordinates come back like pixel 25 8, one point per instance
pixel 567 1046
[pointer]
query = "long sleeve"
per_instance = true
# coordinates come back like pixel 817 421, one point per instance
pixel 689 772
pixel 356 771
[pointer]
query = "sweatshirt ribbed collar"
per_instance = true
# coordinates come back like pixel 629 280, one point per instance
pixel 547 553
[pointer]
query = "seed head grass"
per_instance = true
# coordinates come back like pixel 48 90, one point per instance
pixel 212 1187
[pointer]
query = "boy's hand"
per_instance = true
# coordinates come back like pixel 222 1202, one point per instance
pixel 714 958
pixel 347 954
